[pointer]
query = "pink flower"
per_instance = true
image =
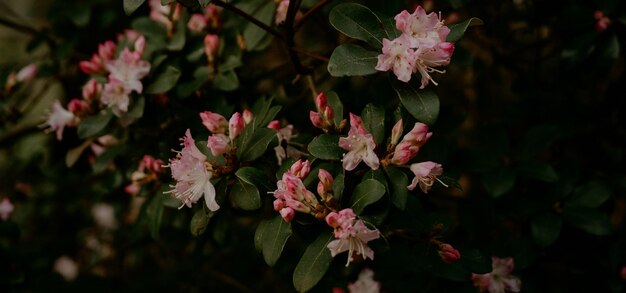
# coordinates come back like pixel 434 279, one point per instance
pixel 425 174
pixel 423 29
pixel 410 144
pixel 430 57
pixel 448 253
pixel 291 194
pixel 500 279
pixel 211 47
pixel 116 96
pixel 27 73
pixel 214 122
pixel 352 235
pixel 193 175
pixel 77 106
pixel 213 16
pixel 365 283
pixel 360 146
pixel 274 124
pixel 316 119
pixel 129 69
pixel 197 23
pixel 218 143
pixel 281 11
pixel 106 52
pixel 59 119
pixel 6 208
pixel 300 169
pixel 235 125
pixel 602 22
pixel 151 164
pixel 92 90
pixel 398 56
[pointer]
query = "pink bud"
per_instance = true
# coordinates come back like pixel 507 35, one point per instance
pixel 211 46
pixel 132 189
pixel 235 125
pixel 300 169
pixel 214 122
pixel 76 106
pixel 279 205
pixel 275 124
pixel 338 290
pixel 396 132
pixel 91 90
pixel 247 116
pixel 326 182
pixel 316 119
pixel 140 45
pixel 197 23
pixel 287 214
pixel 448 253
pixel 90 67
pixel 321 102
pixel 329 114
pixel 218 143
pixel 152 164
pixel 106 50
pixel 447 47
pixel 332 219
pixel 26 73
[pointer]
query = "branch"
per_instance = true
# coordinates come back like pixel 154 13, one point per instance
pixel 27 29
pixel 310 12
pixel 249 17
pixel 310 54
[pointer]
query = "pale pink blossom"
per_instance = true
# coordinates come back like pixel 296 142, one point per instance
pixel 365 283
pixel 27 73
pixel 116 96
pixel 6 208
pixel 352 235
pixel 235 125
pixel 448 253
pixel 197 23
pixel 66 267
pixel 430 57
pixel 281 11
pixel 291 194
pixel 360 146
pixel 59 118
pixel 398 56
pixel 129 69
pixel 500 279
pixel 214 122
pixel 193 175
pixel 425 174
pixel 218 144
pixel 106 52
pixel 411 144
pixel 423 29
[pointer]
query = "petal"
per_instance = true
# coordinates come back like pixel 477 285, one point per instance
pixel 209 197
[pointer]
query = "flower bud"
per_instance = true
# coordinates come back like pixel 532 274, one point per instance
pixel 448 253
pixel 211 46
pixel 197 23
pixel 214 122
pixel 321 102
pixel 326 183
pixel 27 73
pixel 287 214
pixel 76 106
pixel 329 115
pixel 316 119
pixel 247 116
pixel 218 143
pixel 274 124
pixel 140 45
pixel 396 133
pixel 300 169
pixel 91 90
pixel 235 125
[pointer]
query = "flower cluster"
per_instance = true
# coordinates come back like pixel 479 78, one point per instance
pixel 147 171
pixel 352 235
pixel 420 48
pixel 324 117
pixel 500 279
pixel 291 194
pixel 224 132
pixel 360 146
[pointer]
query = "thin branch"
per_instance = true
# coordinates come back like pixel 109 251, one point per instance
pixel 310 54
pixel 27 29
pixel 310 12
pixel 249 17
pixel 290 32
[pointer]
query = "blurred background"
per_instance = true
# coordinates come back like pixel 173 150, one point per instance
pixel 532 123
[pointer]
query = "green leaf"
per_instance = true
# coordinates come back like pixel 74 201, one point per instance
pixel 254 35
pixel 314 263
pixel 475 262
pixel 165 2
pixel 326 147
pixel 200 77
pixel 457 30
pixel 275 235
pixel 591 220
pixel 499 182
pixel 165 81
pixel 359 22
pixel 366 193
pixel 389 25
pixel 154 213
pixel 253 145
pixel 338 185
pixel 226 80
pixel 177 42
pixel 203 3
pixel 352 60
pixel 93 125
pixel 546 228
pixel 73 154
pixel 539 138
pixel 335 103
pixel 399 182
pixel 245 196
pixel 255 177
pixel 199 222
pixel 421 104
pixel 374 121
pixel 136 111
pixel 258 235
pixel 539 171
pixel 104 159
pixel 591 195
pixel 131 5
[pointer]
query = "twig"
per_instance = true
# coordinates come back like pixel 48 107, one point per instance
pixel 310 12
pixel 249 17
pixel 27 29
pixel 290 33
pixel 310 54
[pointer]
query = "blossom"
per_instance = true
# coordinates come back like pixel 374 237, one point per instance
pixel 104 215
pixel 6 208
pixel 77 106
pixel 147 171
pixel 164 13
pixel 291 194
pixel 421 28
pixel 106 52
pixel 283 150
pixel 500 279
pixel 281 11
pixel 425 174
pixel 218 143
pixel 214 122
pixel 397 56
pixel 410 144
pixel 66 267
pixel 197 23
pixel 360 146
pixel 116 96
pixel 430 57
pixel 352 235
pixel 365 283
pixel 59 119
pixel 211 47
pixel 236 125
pixel 91 90
pixel 193 175
pixel 128 69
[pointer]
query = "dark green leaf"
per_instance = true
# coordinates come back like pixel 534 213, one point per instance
pixel 352 60
pixel 73 154
pixel 457 30
pixel 245 196
pixel 499 182
pixel 546 228
pixel 399 183
pixel 539 171
pixel 254 145
pixel 335 103
pixel 421 104
pixel 226 81
pixel 539 138
pixel 154 213
pixel 93 125
pixel 314 263
pixel 591 220
pixel 104 159
pixel 258 235
pixel 131 5
pixel 338 185
pixel 366 193
pixel 591 195
pixel 326 146
pixel 389 25
pixel 275 235
pixel 199 222
pixel 475 262
pixel 165 81
pixel 359 22
pixel 203 3
pixel 374 121
pixel 255 177
pixel 136 111
pixel 254 35
pixel 177 42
